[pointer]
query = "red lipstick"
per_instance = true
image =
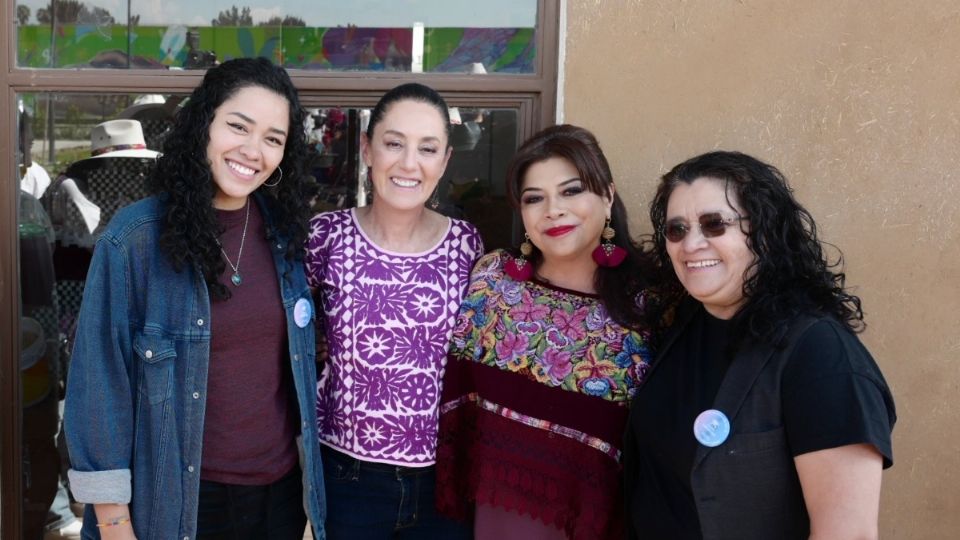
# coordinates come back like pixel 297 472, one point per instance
pixel 559 231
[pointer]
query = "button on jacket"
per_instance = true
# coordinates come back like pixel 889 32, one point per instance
pixel 136 392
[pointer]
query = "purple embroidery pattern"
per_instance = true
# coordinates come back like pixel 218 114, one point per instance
pixel 388 318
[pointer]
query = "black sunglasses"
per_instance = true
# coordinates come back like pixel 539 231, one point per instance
pixel 711 226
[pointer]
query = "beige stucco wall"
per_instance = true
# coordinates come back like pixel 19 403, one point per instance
pixel 859 104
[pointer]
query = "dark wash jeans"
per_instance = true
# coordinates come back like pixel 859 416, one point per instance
pixel 234 512
pixel 374 501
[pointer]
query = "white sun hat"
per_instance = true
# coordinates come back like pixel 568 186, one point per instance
pixel 143 102
pixel 119 138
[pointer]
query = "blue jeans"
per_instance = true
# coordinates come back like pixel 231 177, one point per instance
pixel 373 501
pixel 234 512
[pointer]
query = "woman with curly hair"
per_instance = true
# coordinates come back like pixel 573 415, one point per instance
pixel 763 415
pixel 550 344
pixel 190 409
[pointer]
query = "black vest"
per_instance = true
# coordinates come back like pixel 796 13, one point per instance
pixel 748 486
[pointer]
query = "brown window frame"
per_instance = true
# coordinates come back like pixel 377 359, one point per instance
pixel 533 95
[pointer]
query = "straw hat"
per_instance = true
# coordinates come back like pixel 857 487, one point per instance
pixel 119 139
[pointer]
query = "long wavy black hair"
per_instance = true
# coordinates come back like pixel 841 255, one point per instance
pixel 790 274
pixel 185 183
pixel 619 288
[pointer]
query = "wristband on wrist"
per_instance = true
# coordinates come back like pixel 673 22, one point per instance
pixel 114 521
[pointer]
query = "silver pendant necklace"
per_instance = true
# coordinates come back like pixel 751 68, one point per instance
pixel 235 278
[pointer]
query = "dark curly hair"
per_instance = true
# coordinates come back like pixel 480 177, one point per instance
pixel 184 180
pixel 618 287
pixel 790 274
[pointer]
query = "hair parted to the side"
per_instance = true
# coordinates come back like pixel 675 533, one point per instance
pixel 791 274
pixel 618 287
pixel 410 92
pixel 184 180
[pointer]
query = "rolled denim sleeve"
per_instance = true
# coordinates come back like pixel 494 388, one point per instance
pixel 99 406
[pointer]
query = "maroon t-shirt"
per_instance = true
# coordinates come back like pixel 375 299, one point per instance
pixel 250 426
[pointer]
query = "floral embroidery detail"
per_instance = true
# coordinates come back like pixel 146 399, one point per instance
pixel 528 310
pixel 474 310
pixel 512 291
pixel 572 324
pixel 529 328
pixel 372 432
pixel 511 348
pixel 388 319
pixel 418 391
pixel 379 303
pixel 425 305
pixel 557 365
pixel 417 346
pixel 376 347
pixel 597 318
pixel 633 349
pixel 376 389
pixel 596 374
pixel 557 338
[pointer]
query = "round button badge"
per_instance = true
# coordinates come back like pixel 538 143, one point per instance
pixel 711 428
pixel 302 312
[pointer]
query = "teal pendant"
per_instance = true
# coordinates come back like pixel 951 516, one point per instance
pixel 235 278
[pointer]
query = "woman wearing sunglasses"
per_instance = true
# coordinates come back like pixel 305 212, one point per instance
pixel 763 415
pixel 549 345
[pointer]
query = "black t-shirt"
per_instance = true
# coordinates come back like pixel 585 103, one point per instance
pixel 828 400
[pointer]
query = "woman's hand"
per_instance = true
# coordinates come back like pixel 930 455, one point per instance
pixel 841 487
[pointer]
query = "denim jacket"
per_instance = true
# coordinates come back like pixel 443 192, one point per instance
pixel 136 391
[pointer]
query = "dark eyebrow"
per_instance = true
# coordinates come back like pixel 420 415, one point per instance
pixel 404 136
pixel 562 184
pixel 251 121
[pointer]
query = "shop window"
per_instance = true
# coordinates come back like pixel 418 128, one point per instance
pixel 435 36
pixel 73 64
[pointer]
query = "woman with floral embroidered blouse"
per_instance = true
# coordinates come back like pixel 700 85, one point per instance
pixel 391 276
pixel 548 348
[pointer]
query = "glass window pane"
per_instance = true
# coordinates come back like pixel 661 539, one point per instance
pixel 496 36
pixel 65 199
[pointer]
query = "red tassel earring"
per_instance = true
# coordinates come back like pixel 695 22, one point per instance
pixel 608 254
pixel 519 268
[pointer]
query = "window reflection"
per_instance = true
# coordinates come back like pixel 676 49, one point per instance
pixel 368 35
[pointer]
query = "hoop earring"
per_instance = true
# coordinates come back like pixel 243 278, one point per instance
pixel 519 268
pixel 608 254
pixel 278 179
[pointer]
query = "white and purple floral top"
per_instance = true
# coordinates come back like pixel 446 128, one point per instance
pixel 388 322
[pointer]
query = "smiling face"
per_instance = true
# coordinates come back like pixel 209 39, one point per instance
pixel 711 269
pixel 406 155
pixel 562 217
pixel 247 137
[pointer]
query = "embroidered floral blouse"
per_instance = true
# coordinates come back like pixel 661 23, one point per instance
pixel 388 320
pixel 534 403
